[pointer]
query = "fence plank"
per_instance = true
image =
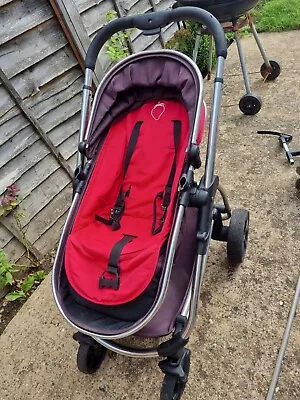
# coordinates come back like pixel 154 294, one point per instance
pixel 72 160
pixel 50 214
pixel 142 42
pixel 49 98
pixel 22 140
pixel 58 115
pixel 41 196
pixel 45 242
pixel 6 102
pixel 8 114
pixel 11 127
pixel 94 18
pixel 5 236
pixel 14 250
pixel 4 2
pixel 20 16
pixel 56 91
pixel 69 146
pixel 168 32
pixel 34 123
pixel 83 5
pixel 11 226
pixel 31 47
pixel 13 170
pixel 30 82
pixel 74 24
pixel 66 129
pixel 37 174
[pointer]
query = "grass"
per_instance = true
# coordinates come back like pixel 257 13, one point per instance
pixel 277 15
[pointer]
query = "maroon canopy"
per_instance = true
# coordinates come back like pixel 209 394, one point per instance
pixel 150 75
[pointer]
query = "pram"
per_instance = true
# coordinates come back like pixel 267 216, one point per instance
pixel 133 250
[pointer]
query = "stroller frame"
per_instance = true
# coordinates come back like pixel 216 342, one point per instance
pixel 199 195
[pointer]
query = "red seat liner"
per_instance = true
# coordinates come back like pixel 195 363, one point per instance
pixel 90 241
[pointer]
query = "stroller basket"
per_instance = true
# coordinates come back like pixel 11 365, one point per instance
pixel 132 253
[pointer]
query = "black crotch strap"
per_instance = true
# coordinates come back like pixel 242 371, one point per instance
pixel 113 268
pixel 118 209
pixel 166 194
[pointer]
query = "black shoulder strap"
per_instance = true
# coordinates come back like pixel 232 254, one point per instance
pixel 168 187
pixel 131 145
pixel 113 267
pixel 166 194
pixel 118 209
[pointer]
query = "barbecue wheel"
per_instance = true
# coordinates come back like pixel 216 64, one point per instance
pixel 250 104
pixel 173 387
pixel 237 237
pixel 270 75
pixel 89 357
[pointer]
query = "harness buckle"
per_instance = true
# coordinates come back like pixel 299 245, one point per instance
pixel 110 282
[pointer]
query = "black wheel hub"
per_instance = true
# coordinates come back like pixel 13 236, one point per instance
pixel 250 104
pixel 270 74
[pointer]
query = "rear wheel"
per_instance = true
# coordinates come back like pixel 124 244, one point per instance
pixel 237 237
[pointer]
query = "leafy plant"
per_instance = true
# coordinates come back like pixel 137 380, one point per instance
pixel 23 286
pixel 184 41
pixel 6 271
pixel 116 46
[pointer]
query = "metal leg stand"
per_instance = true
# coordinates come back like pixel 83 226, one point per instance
pixel 250 104
pixel 258 42
pixel 243 62
pixel 210 57
pixel 270 69
pixel 197 45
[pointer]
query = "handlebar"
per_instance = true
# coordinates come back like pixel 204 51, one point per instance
pixel 149 23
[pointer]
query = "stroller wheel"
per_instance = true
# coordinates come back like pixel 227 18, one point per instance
pixel 173 386
pixel 250 104
pixel 89 357
pixel 270 75
pixel 237 237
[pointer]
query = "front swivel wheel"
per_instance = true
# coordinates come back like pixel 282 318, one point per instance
pixel 90 353
pixel 173 386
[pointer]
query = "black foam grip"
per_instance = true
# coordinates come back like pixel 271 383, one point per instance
pixel 154 20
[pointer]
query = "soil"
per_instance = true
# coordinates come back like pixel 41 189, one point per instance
pixel 8 309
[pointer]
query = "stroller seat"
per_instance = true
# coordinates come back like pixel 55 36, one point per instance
pixel 111 257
